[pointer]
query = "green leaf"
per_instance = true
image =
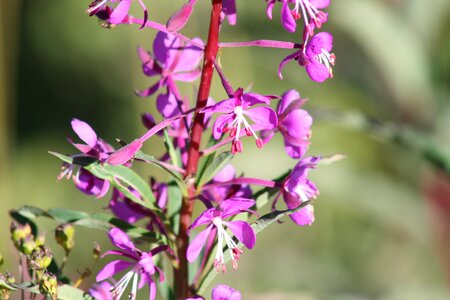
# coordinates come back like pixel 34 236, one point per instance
pixel 95 221
pixel 217 164
pixel 68 292
pixel 171 149
pixel 122 178
pixel 258 226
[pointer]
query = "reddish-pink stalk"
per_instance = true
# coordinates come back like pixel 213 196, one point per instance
pixel 244 180
pixel 181 272
pixel 263 44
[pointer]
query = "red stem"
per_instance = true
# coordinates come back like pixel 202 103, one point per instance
pixel 212 46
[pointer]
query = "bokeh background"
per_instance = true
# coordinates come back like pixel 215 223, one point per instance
pixel 382 227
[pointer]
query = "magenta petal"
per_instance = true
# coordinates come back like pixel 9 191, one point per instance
pixel 124 154
pixel 227 173
pixel 104 189
pixel 295 151
pixel 322 40
pixel 287 19
pixel 224 292
pixel 149 66
pixel 243 232
pixel 120 12
pixel 151 90
pixel 297 124
pixel 84 132
pixel 263 117
pixel 269 8
pixel 204 218
pixel 86 182
pixel 180 18
pixel 317 71
pixel 219 125
pixel 112 268
pixel 121 240
pixel 152 285
pixel 285 61
pixel 320 3
pixel 234 206
pixel 124 212
pixel 229 9
pixel 304 216
pixel 189 57
pixel 197 244
pixel 287 98
pixel 187 76
pixel 250 99
pixel 146 262
pixel 167 105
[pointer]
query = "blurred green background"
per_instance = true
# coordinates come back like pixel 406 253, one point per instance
pixel 382 227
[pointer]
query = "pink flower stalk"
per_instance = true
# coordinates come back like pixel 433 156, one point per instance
pixel 309 9
pixel 297 188
pixel 235 111
pixel 173 60
pixel 94 147
pixel 115 15
pixel 141 264
pixel 294 124
pixel 316 57
pixel 213 218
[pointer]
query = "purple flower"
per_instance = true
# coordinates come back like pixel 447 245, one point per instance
pixel 220 193
pixel 101 291
pixel 309 9
pixel 173 60
pixel 115 15
pixel 224 292
pixel 229 11
pixel 235 111
pixel 142 268
pixel 294 124
pixel 93 147
pixel 316 57
pixel 297 188
pixel 213 218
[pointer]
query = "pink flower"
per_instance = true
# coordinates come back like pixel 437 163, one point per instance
pixel 115 15
pixel 173 60
pixel 142 268
pixel 93 147
pixel 294 124
pixel 213 218
pixel 224 292
pixel 309 9
pixel 297 188
pixel 234 113
pixel 316 57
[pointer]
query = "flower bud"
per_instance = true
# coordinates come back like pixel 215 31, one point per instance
pixel 28 245
pixel 64 236
pixel 40 258
pixel 48 285
pixel 96 251
pixel 40 240
pixel 5 281
pixel 19 232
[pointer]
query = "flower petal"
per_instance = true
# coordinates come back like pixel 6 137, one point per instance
pixel 243 232
pixel 188 57
pixel 234 206
pixel 250 99
pixel 204 218
pixel 120 12
pixel 287 19
pixel 121 240
pixel 180 18
pixel 167 105
pixel 187 76
pixel 320 3
pixel 124 154
pixel 304 216
pixel 317 72
pixel 229 9
pixel 166 47
pixel 112 268
pixel 322 40
pixel 197 244
pixel 224 292
pixel 219 125
pixel 263 117
pixel 286 99
pixel 84 132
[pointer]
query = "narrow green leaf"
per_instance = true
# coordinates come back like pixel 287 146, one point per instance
pixel 62 157
pixel 258 226
pixel 217 164
pixel 95 221
pixel 170 148
pixel 68 292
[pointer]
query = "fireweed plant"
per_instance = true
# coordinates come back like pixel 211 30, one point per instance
pixel 156 240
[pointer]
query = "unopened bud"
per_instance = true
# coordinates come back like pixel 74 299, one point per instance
pixel 96 251
pixel 65 236
pixel 19 232
pixel 40 258
pixel 48 285
pixel 40 240
pixel 28 245
pixel 5 285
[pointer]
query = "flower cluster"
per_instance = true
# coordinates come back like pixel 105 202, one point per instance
pixel 159 214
